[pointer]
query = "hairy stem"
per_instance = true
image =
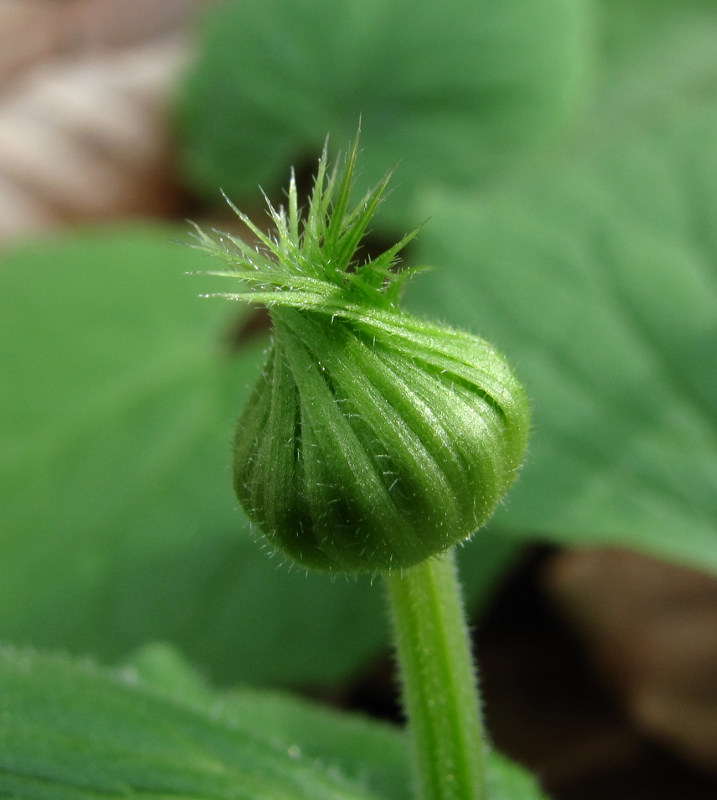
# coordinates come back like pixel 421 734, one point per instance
pixel 440 691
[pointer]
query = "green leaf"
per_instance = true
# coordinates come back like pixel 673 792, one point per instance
pixel 69 729
pixel 657 59
pixel 375 754
pixel 455 97
pixel 598 276
pixel 72 730
pixel 117 517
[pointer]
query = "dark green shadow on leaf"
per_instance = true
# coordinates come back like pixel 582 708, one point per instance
pixel 455 96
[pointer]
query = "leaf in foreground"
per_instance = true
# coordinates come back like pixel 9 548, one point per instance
pixel 72 730
pixel 69 729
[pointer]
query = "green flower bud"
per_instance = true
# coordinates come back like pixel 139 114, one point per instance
pixel 372 440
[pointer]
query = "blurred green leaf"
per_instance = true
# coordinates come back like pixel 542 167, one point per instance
pixel 658 58
pixel 70 730
pixel 118 523
pixel 454 94
pixel 376 754
pixel 599 276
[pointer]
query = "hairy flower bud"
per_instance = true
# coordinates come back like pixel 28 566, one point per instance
pixel 372 440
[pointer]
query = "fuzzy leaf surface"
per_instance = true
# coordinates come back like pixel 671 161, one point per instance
pixel 69 729
pixel 154 729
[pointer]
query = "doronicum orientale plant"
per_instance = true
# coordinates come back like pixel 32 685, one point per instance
pixel 374 442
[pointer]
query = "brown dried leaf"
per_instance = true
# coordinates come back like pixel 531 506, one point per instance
pixel 652 629
pixel 84 89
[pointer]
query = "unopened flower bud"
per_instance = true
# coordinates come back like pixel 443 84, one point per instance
pixel 372 440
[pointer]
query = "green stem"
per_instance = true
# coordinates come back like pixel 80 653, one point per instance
pixel 440 690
